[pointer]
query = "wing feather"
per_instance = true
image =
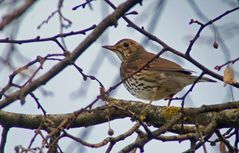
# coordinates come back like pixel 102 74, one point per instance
pixel 160 64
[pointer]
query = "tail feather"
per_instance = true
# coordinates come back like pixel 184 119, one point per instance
pixel 205 79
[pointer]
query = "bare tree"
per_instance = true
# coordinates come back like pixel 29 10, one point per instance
pixel 30 78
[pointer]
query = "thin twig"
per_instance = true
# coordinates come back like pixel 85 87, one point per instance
pixel 4 138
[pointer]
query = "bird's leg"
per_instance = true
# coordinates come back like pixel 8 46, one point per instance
pixel 170 98
pixel 143 112
pixel 155 89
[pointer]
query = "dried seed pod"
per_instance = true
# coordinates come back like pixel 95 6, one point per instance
pixel 110 132
pixel 229 77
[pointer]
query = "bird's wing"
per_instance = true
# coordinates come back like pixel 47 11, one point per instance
pixel 162 64
pixel 159 64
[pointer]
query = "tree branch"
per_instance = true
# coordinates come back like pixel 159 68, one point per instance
pixel 155 115
pixel 7 19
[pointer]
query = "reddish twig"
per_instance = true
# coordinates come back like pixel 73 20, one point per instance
pixel 111 140
pixel 218 67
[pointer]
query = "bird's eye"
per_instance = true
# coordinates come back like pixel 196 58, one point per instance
pixel 126 45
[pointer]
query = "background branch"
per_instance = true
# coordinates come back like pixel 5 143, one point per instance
pixel 10 17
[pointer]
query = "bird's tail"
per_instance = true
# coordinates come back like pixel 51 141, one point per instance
pixel 205 79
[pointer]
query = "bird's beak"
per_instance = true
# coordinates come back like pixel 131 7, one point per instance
pixel 112 48
pixel 115 50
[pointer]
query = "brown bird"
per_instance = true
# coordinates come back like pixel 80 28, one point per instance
pixel 162 78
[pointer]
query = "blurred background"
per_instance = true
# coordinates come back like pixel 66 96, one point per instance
pixel 67 92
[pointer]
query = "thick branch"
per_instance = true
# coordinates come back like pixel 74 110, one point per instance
pixel 156 116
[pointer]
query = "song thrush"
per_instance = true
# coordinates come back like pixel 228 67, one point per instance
pixel 162 78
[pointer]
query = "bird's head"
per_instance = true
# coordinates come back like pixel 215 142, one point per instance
pixel 124 48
